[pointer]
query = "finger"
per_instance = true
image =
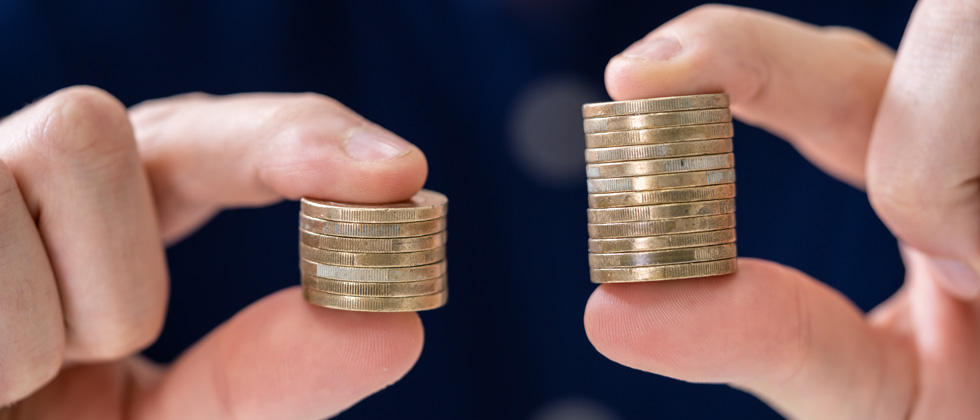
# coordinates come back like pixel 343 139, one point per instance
pixel 204 153
pixel 768 329
pixel 947 342
pixel 817 87
pixel 74 157
pixel 923 172
pixel 32 336
pixel 284 359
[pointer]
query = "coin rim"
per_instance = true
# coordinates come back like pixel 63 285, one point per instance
pixel 656 105
pixel 659 151
pixel 662 135
pixel 362 245
pixel 720 252
pixel 656 120
pixel 656 211
pixel 421 302
pixel 378 213
pixel 626 225
pixel 370 274
pixel 730 267
pixel 432 227
pixel 662 196
pixel 660 242
pixel 318 284
pixel 661 182
pixel 650 167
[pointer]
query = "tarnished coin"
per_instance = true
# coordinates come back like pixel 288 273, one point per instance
pixel 658 151
pixel 654 243
pixel 659 166
pixel 372 245
pixel 372 230
pixel 661 227
pixel 375 289
pixel 667 119
pixel 359 259
pixel 664 272
pixel 660 182
pixel 425 205
pixel 376 304
pixel 659 135
pixel 363 274
pixel 646 198
pixel 663 257
pixel 661 211
pixel 649 106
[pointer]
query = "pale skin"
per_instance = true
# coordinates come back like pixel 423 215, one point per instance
pixel 90 192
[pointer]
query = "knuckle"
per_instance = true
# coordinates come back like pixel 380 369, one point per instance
pixel 312 107
pixel 895 196
pixel 115 342
pixel 8 185
pixel 83 120
pixel 711 13
pixel 856 38
pixel 30 372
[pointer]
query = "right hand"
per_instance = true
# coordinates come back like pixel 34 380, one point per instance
pixel 905 128
pixel 89 195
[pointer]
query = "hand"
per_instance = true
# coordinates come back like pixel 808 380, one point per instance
pixel 89 193
pixel 906 129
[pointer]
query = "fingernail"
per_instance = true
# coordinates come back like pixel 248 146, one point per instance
pixel 369 145
pixel 661 48
pixel 958 277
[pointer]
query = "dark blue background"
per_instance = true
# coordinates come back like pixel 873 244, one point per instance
pixel 447 76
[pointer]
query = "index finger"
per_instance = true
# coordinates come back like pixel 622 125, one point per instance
pixel 818 88
pixel 204 153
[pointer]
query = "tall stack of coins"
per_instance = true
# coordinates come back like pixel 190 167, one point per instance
pixel 376 258
pixel 661 188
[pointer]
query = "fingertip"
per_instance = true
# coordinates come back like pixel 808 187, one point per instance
pixel 382 347
pixel 311 166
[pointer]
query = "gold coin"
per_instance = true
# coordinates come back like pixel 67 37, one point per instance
pixel 659 166
pixel 663 257
pixel 425 205
pixel 372 230
pixel 654 243
pixel 661 227
pixel 375 289
pixel 363 274
pixel 372 245
pixel 667 119
pixel 658 151
pixel 659 135
pixel 660 182
pixel 654 105
pixel 358 259
pixel 646 198
pixel 376 304
pixel 664 272
pixel 661 211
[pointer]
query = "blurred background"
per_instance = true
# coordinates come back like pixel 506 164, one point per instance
pixel 491 91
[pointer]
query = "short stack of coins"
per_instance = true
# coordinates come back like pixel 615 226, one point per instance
pixel 376 258
pixel 661 188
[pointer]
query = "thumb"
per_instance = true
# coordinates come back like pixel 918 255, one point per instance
pixel 283 359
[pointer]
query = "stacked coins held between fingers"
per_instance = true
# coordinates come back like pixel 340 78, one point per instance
pixel 376 258
pixel 661 184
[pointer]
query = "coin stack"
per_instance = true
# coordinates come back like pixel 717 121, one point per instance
pixel 376 258
pixel 661 188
